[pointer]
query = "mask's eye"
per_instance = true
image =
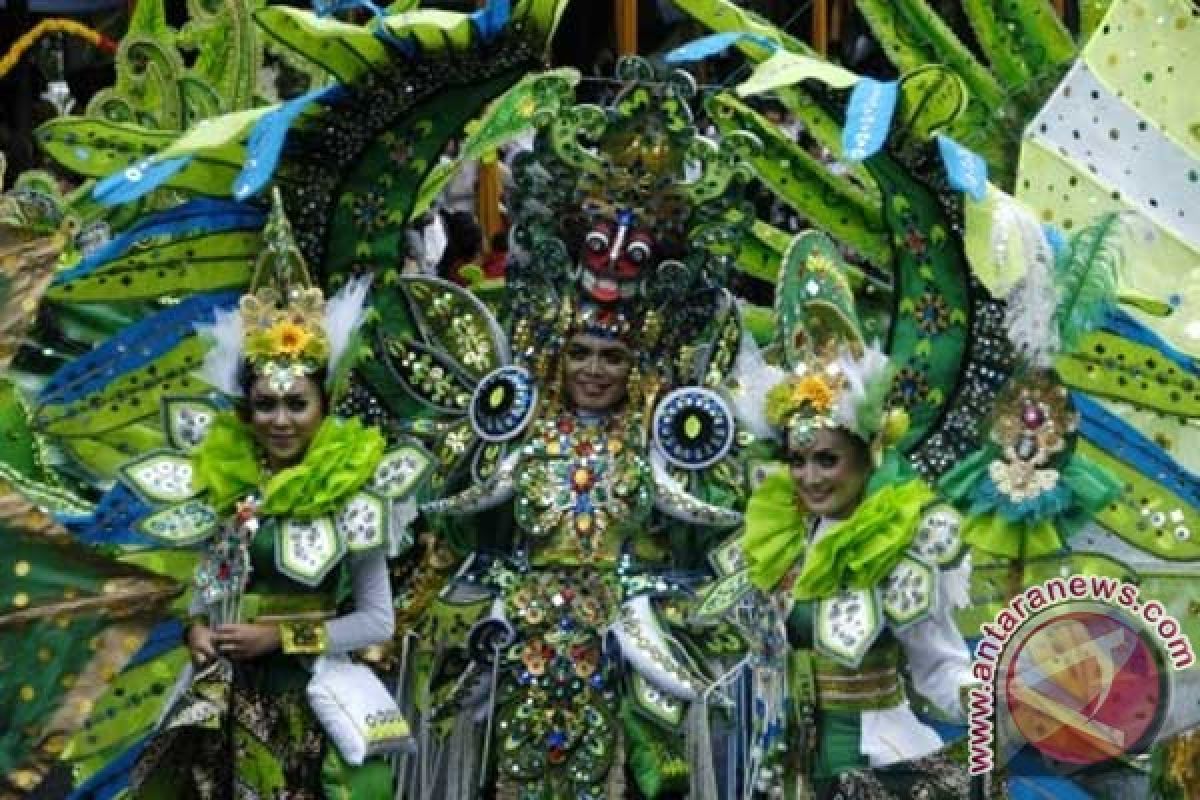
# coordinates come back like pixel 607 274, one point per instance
pixel 638 252
pixel 597 242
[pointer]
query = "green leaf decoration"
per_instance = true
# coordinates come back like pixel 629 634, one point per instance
pixel 380 192
pixel 433 30
pixel 931 98
pixel 834 204
pixel 723 16
pixel 1107 365
pixel 228 56
pixel 97 148
pixel 1091 14
pixel 345 51
pixel 103 455
pixel 1087 273
pixel 201 263
pixel 1025 42
pixel 786 69
pixel 930 277
pixel 82 638
pixel 155 87
pixel 507 117
pixel 913 36
pixel 1149 516
pixel 20 448
pixel 452 319
pixel 129 398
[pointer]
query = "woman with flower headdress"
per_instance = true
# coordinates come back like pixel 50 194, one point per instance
pixel 861 569
pixel 290 502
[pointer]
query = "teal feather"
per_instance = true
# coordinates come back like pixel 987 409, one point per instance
pixel 1087 277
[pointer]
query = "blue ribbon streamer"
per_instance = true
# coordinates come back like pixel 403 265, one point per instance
pixel 195 218
pixel 965 169
pixel 1123 325
pixel 1056 238
pixel 714 44
pixel 164 636
pixel 112 521
pixel 267 139
pixel 1122 440
pixel 136 346
pixel 135 181
pixel 491 19
pixel 868 118
pixel 113 777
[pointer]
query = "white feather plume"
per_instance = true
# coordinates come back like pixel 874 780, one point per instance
pixel 859 405
pixel 221 363
pixel 344 313
pixel 1031 306
pixel 753 378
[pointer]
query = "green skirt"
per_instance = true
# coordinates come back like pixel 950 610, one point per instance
pixel 248 732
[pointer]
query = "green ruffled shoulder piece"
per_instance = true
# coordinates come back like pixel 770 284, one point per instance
pixel 775 529
pixel 340 459
pixel 858 553
pixel 861 550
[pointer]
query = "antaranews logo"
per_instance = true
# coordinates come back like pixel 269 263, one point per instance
pixel 1078 667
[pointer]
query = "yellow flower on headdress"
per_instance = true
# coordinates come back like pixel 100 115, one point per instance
pixel 811 393
pixel 814 391
pixel 289 339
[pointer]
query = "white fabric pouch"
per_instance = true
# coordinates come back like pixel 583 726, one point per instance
pixel 356 710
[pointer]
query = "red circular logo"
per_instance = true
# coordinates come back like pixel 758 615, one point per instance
pixel 1084 687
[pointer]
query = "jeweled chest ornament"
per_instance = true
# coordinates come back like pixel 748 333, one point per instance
pixel 1030 430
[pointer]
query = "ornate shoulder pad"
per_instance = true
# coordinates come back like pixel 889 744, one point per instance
pixel 306 550
pixel 161 477
pixel 503 404
pixel 693 427
pixel 363 522
pixel 400 471
pixel 182 524
pixel 847 624
pixel 938 539
pixel 187 420
pixel 910 592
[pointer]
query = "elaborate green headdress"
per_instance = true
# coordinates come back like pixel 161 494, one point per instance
pixel 831 377
pixel 283 327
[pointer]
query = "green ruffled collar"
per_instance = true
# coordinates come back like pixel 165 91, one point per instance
pixel 857 552
pixel 340 459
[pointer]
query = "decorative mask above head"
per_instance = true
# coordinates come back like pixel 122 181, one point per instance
pixel 617 257
pixel 622 215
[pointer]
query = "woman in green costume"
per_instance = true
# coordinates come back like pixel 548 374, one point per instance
pixel 859 569
pixel 294 503
pixel 862 572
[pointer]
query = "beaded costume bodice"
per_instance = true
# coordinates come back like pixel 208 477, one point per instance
pixel 582 487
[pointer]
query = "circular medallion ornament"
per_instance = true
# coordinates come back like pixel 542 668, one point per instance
pixel 693 427
pixel 503 403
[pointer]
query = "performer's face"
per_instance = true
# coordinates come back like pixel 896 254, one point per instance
pixel 830 473
pixel 284 422
pixel 596 372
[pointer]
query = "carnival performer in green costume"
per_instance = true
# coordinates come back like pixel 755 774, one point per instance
pixel 292 502
pixel 575 677
pixel 860 568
